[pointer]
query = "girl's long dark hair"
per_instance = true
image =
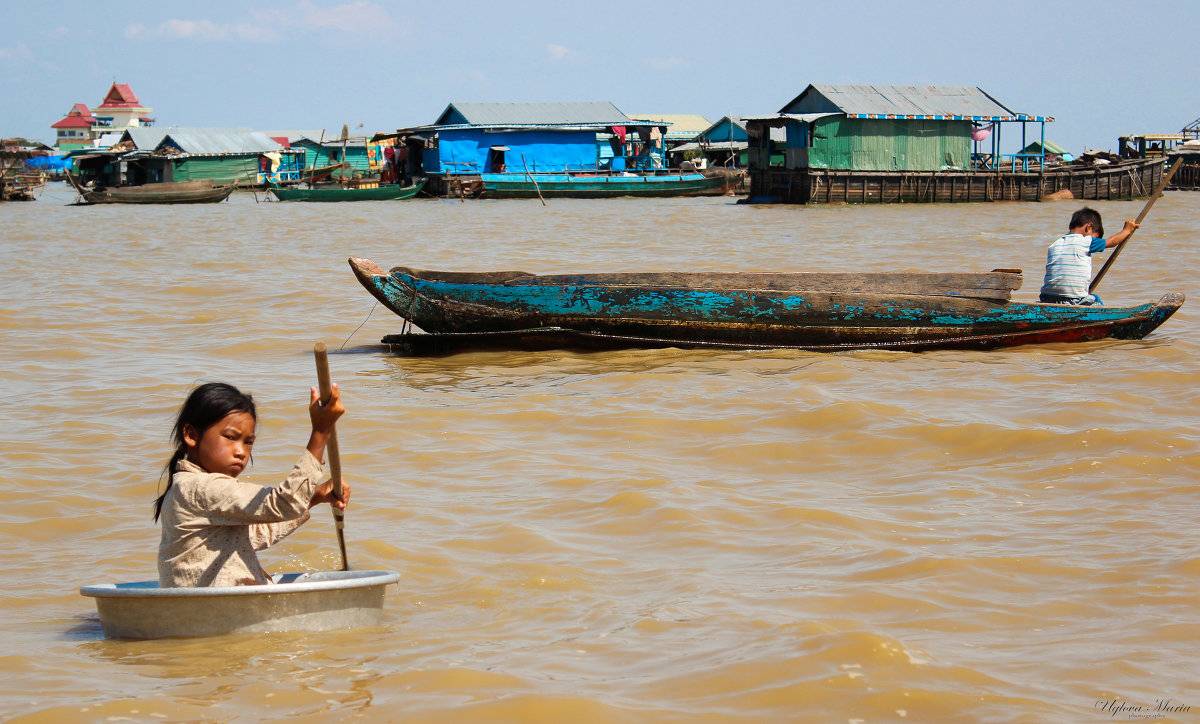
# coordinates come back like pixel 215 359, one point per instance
pixel 206 406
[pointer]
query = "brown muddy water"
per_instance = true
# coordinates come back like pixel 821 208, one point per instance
pixel 644 535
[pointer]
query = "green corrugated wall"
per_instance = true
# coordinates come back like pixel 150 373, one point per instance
pixel 324 155
pixel 889 145
pixel 219 169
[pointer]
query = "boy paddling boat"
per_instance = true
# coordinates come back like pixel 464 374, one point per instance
pixel 1069 258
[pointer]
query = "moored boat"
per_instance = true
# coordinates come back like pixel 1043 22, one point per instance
pixel 182 192
pixel 324 601
pixel 903 311
pixel 562 185
pixel 386 192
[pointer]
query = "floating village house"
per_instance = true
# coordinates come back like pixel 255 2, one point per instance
pixel 681 127
pixel 1050 150
pixel 119 111
pixel 874 143
pixel 723 143
pixel 326 149
pixel 219 155
pixel 21 170
pixel 469 139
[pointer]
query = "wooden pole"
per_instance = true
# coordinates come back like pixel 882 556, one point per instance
pixel 345 138
pixel 82 193
pixel 312 176
pixel 1145 210
pixel 335 461
pixel 531 178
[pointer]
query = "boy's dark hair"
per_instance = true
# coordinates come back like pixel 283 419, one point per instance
pixel 206 406
pixel 1087 215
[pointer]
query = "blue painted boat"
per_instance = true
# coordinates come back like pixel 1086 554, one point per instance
pixel 463 310
pixel 566 185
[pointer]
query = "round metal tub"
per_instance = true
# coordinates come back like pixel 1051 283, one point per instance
pixel 324 601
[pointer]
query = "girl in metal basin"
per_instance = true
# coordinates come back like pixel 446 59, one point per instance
pixel 212 523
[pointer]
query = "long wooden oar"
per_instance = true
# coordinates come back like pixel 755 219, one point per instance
pixel 1145 210
pixel 335 460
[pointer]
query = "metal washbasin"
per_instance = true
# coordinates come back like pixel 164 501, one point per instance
pixel 322 601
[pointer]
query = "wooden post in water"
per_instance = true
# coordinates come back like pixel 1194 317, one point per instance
pixel 325 386
pixel 1145 210
pixel 82 193
pixel 345 139
pixel 531 178
pixel 312 176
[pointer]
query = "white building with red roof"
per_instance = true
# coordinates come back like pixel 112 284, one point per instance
pixel 119 111
pixel 74 130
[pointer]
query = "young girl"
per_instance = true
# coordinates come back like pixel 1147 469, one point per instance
pixel 212 524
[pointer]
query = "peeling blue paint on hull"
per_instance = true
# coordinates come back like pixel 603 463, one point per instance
pixel 470 313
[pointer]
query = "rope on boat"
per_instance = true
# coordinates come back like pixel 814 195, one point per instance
pixel 364 322
pixel 406 326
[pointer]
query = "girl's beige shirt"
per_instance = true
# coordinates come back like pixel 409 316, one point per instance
pixel 212 524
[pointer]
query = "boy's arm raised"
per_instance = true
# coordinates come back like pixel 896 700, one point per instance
pixel 1125 232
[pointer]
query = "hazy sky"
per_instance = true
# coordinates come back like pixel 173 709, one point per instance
pixel 1103 69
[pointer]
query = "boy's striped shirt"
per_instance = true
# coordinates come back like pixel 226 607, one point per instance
pixel 1069 265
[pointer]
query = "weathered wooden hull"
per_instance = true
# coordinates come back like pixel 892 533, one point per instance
pixel 187 192
pixel 1187 178
pixel 380 193
pixel 17 186
pixel 516 310
pixel 1127 180
pixel 521 186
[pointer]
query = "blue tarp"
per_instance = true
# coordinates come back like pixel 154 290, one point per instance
pixel 54 164
pixel 465 151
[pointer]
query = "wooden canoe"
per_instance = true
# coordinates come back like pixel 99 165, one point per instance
pixel 559 185
pixel 183 192
pixel 388 192
pixel 900 311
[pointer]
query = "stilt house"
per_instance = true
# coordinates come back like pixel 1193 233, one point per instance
pixel 876 143
pixel 469 139
pixel 220 155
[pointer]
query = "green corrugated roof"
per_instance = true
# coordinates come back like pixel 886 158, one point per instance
pixel 1051 147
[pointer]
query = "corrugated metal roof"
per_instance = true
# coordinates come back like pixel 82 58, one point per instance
pixel 682 125
pixel 910 99
pixel 599 113
pixel 214 141
pixel 112 138
pixel 293 135
pixel 1051 147
pixel 735 120
pixel 317 136
pixel 144 138
pixel 802 117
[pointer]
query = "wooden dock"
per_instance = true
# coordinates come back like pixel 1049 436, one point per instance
pixel 1125 180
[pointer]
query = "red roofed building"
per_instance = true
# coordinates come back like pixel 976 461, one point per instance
pixel 75 128
pixel 121 109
